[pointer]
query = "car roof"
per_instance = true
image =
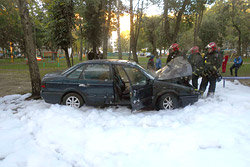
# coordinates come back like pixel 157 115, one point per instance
pixel 112 61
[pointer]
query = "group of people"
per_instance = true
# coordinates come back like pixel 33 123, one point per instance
pixel 152 66
pixel 203 65
pixel 92 55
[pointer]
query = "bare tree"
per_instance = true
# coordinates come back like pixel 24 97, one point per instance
pixel 135 28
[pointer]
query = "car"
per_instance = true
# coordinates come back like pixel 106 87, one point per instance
pixel 1 55
pixel 120 82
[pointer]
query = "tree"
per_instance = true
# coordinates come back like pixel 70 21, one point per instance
pixel 118 3
pixel 198 7
pixel 10 25
pixel 239 16
pixel 108 14
pixel 209 32
pixel 124 38
pixel 30 48
pixel 61 24
pixel 178 7
pixel 93 15
pixel 135 27
pixel 151 24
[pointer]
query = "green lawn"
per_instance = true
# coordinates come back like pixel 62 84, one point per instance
pixel 20 65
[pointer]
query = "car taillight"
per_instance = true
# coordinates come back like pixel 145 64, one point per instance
pixel 43 86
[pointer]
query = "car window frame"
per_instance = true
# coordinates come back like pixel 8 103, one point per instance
pixel 101 63
pixel 139 69
pixel 73 70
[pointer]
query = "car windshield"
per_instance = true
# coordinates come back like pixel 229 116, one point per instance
pixel 178 67
pixel 147 72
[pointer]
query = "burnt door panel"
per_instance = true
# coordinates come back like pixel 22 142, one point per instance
pixel 141 87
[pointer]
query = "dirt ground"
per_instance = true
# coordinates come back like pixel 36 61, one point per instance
pixel 19 82
pixel 14 83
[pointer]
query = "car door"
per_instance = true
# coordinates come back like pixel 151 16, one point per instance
pixel 96 85
pixel 141 88
pixel 70 82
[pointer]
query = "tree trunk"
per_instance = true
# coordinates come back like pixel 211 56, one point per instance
pixel 195 30
pixel 198 20
pixel 131 27
pixel 166 22
pixel 106 31
pixel 239 41
pixel 30 48
pixel 80 57
pixel 237 28
pixel 72 57
pixel 67 57
pixel 178 21
pixel 118 31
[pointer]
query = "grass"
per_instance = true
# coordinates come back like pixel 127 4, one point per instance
pixel 20 65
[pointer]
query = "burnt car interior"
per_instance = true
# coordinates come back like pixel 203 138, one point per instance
pixel 121 85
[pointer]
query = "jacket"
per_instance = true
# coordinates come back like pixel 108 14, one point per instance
pixel 238 61
pixel 212 62
pixel 196 62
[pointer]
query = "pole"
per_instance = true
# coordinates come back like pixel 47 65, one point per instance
pixel 58 55
pixel 11 53
pixel 43 60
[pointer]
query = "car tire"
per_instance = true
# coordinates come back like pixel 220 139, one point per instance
pixel 73 100
pixel 168 102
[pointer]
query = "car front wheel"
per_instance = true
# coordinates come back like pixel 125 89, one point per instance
pixel 73 100
pixel 168 102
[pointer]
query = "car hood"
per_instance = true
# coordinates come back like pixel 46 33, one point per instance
pixel 176 68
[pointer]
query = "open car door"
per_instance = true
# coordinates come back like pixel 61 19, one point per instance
pixel 141 88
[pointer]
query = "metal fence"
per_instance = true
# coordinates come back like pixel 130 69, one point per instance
pixel 229 78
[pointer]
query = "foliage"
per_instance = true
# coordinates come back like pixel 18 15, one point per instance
pixel 93 21
pixel 62 22
pixel 10 24
pixel 125 41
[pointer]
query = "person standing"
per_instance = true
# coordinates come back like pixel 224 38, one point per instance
pixel 237 63
pixel 151 63
pixel 174 52
pixel 212 62
pixel 224 63
pixel 158 63
pixel 196 61
pixel 91 55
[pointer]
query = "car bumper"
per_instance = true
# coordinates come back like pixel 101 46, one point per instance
pixel 190 99
pixel 51 97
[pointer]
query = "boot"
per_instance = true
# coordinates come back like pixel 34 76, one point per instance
pixel 210 94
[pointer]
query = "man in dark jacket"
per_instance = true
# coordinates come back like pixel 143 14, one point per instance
pixel 91 55
pixel 151 63
pixel 236 65
pixel 175 52
pixel 196 61
pixel 212 62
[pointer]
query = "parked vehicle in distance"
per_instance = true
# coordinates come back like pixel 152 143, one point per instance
pixel 120 82
pixel 1 55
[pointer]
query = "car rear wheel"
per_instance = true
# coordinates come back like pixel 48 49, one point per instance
pixel 168 102
pixel 73 100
